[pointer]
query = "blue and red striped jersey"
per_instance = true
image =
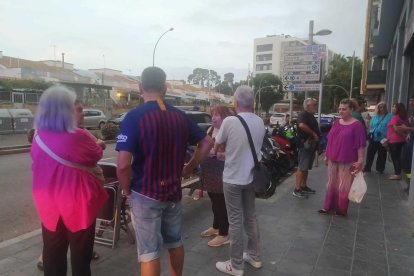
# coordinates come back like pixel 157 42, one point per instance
pixel 157 136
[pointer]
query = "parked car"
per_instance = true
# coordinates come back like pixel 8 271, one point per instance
pixel 201 118
pixel 94 118
pixel 276 119
pixel 118 119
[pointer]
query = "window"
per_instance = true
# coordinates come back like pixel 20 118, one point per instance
pixel 264 47
pixel 263 67
pixel 264 57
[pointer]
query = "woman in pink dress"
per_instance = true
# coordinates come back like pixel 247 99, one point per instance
pixel 344 157
pixel 396 137
pixel 67 199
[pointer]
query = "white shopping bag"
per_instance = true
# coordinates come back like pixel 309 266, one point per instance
pixel 358 188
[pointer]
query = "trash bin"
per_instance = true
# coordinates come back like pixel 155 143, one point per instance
pixel 22 120
pixel 6 122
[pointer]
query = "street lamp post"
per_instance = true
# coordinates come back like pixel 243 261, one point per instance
pixel 155 47
pixel 320 32
pixel 352 75
pixel 310 39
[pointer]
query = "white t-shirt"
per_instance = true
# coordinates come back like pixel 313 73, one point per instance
pixel 239 160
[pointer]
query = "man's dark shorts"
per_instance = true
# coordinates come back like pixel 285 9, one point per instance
pixel 306 158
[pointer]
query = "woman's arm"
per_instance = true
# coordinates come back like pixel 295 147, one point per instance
pixel 357 166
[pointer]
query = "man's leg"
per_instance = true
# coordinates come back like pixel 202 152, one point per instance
pixel 233 196
pixel 176 258
pixel 147 214
pixel 299 176
pixel 304 181
pixel 151 268
pixel 250 223
pixel 171 234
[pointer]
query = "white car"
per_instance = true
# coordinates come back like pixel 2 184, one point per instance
pixel 93 118
pixel 276 119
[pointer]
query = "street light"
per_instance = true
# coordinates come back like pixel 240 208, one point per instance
pixel 155 47
pixel 320 32
pixel 260 91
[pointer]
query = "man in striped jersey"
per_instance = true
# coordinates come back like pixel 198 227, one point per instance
pixel 152 144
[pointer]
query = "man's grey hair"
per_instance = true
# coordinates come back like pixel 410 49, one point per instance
pixel 244 96
pixel 56 110
pixel 307 101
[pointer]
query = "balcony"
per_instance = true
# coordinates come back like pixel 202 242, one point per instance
pixel 376 77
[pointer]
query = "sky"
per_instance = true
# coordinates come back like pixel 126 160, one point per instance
pixel 210 34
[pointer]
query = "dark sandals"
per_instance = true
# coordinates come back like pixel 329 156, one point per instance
pixel 326 212
pixel 323 212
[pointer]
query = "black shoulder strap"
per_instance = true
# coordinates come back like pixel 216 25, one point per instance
pixel 249 137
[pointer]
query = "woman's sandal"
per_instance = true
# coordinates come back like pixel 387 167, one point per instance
pixel 323 212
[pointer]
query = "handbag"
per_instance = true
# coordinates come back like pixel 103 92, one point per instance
pixel 96 170
pixel 261 175
pixel 358 188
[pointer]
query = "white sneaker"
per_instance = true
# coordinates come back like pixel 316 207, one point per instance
pixel 227 268
pixel 250 261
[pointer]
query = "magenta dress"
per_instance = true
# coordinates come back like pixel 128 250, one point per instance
pixel 341 152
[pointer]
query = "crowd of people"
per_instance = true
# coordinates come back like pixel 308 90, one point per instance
pixel 68 191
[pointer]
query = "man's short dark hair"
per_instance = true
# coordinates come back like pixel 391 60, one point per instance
pixel 153 79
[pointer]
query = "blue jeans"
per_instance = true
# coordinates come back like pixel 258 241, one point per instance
pixel 240 203
pixel 156 223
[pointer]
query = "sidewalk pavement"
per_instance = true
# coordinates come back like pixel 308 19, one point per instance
pixel 10 140
pixel 377 237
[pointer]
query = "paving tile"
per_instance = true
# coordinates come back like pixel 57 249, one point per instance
pixel 340 249
pixel 294 267
pixel 9 264
pixel 332 261
pixel 363 241
pixel 323 271
pixel 401 271
pixel 402 247
pixel 369 255
pixel 302 255
pixel 367 268
pixel 397 260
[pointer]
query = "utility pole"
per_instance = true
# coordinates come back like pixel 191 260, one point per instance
pixel 352 76
pixel 63 60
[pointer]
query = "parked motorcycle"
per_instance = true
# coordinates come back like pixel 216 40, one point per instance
pixel 287 138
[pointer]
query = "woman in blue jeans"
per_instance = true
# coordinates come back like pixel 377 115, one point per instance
pixel 377 132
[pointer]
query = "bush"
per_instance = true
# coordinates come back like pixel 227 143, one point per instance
pixel 110 131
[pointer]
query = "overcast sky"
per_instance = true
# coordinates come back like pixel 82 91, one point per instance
pixel 212 34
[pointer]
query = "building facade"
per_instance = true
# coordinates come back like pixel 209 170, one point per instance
pixel 389 48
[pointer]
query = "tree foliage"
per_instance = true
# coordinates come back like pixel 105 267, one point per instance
pixel 204 77
pixel 9 85
pixel 271 90
pixel 338 76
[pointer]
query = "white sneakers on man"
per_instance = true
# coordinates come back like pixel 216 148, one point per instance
pixel 227 268
pixel 250 261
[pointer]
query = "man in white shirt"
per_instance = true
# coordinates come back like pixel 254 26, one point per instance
pixel 237 181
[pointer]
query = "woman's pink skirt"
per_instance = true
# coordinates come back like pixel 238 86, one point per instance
pixel 338 186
